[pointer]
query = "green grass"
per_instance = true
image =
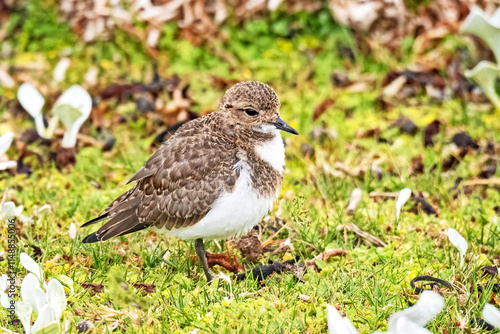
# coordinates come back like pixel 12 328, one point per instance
pixel 368 284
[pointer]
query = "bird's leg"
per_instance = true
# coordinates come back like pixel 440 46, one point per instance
pixel 200 251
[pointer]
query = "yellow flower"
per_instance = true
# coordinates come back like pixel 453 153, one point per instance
pixel 285 46
pixel 412 274
pixel 106 64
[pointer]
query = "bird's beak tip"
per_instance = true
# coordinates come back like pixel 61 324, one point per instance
pixel 282 125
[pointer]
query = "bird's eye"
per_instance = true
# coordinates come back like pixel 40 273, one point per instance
pixel 251 112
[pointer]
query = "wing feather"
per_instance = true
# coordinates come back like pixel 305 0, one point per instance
pixel 176 187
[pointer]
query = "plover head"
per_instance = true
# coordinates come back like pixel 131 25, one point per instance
pixel 254 105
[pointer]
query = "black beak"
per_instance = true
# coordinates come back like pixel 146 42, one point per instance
pixel 281 125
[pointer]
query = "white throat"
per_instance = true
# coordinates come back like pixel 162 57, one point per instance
pixel 273 151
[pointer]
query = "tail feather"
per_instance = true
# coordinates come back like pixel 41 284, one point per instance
pixel 90 238
pixel 122 219
pixel 122 230
pixel 95 220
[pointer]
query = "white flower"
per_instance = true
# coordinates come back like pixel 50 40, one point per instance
pixel 5 142
pixel 68 281
pixel 23 311
pixel 458 241
pixel 404 196
pixel 45 320
pixel 485 27
pixel 32 293
pixel 491 315
pixel 485 74
pixel 72 108
pixel 32 101
pixel 226 278
pixel 60 69
pixel 427 307
pixel 409 321
pixel 9 211
pixel 338 324
pixel 3 282
pixel 45 207
pixel 47 305
pixel 30 265
pixel 72 231
pixel 488 29
pixel 56 297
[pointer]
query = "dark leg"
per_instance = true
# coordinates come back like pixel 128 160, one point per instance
pixel 200 250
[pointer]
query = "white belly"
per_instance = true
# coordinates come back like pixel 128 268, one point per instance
pixel 232 215
pixel 235 213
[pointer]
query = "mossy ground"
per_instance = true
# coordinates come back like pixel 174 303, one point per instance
pixel 296 57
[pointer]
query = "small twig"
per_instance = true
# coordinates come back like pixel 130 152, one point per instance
pixel 270 239
pixel 323 256
pixel 365 235
pixel 477 182
pixel 384 194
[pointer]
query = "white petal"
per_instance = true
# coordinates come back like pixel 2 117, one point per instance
pixel 3 282
pixel 404 196
pixel 427 307
pixel 30 265
pixel 8 210
pixel 26 220
pixel 486 28
pixel 23 311
pixel 8 164
pixel 46 207
pixel 6 141
pixel 458 241
pixel 72 231
pixel 68 281
pixel 19 210
pixel 4 299
pixel 77 98
pixel 32 293
pixel 31 100
pixel 60 69
pixel 491 315
pixel 485 73
pixel 338 324
pixel 403 325
pixel 56 297
pixel 45 318
pixel 50 328
pixel 495 18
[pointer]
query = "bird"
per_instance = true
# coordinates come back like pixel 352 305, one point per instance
pixel 215 178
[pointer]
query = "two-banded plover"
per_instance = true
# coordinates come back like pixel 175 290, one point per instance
pixel 215 178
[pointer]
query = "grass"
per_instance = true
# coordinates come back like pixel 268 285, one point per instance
pixel 368 284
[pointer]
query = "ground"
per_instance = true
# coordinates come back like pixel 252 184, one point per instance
pixel 350 145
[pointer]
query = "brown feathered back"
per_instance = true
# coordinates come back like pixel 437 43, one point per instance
pixel 178 184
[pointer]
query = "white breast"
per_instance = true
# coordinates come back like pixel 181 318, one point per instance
pixel 273 151
pixel 232 215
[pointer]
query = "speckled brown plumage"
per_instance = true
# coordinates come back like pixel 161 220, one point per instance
pixel 182 180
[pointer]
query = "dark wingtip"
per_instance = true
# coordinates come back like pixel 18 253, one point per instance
pixel 91 238
pixel 95 220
